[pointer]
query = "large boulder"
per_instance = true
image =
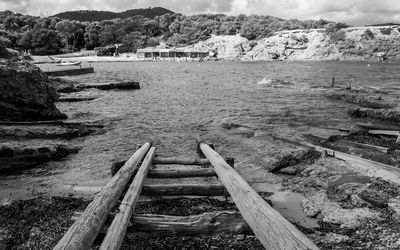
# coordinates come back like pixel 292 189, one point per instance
pixel 26 93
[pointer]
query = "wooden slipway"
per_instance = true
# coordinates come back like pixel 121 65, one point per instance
pixel 256 215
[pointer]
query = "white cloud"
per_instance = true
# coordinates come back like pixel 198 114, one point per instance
pixel 356 12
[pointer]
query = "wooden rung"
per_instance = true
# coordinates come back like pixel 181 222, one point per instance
pixel 167 161
pixel 203 224
pixel 184 189
pixel 181 173
pixel 384 132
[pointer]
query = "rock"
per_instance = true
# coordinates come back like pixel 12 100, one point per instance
pixel 4 236
pixel 375 198
pixel 332 212
pixel 336 238
pixel 111 85
pixel 47 132
pixel 391 115
pixel 14 157
pixel 394 206
pixel 63 85
pixel 359 99
pixel 26 93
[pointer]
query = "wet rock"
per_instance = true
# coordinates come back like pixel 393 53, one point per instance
pixel 63 85
pixel 360 99
pixel 238 129
pixel 4 237
pixel 47 132
pixel 375 198
pixel 331 212
pixel 111 86
pixel 14 157
pixel 26 93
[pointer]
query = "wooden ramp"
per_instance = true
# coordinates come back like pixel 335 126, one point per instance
pixel 256 215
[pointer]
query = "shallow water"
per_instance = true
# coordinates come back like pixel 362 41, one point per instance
pixel 181 102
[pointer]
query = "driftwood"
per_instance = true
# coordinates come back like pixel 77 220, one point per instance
pixel 368 146
pixel 184 189
pixel 364 166
pixel 84 231
pixel 270 227
pixel 203 224
pixel 116 232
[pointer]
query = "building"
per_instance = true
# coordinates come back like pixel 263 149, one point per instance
pixel 149 53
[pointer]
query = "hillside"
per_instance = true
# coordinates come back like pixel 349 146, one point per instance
pixel 95 15
pixel 349 44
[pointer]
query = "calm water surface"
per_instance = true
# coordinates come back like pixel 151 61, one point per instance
pixel 181 102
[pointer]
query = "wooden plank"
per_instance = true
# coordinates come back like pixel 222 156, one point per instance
pixel 368 146
pixel 116 232
pixel 384 132
pixel 184 189
pixel 84 231
pixel 203 224
pixel 170 161
pixel 180 173
pixel 364 166
pixel 270 227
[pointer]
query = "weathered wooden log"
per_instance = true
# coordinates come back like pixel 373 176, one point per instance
pixel 203 224
pixel 116 232
pixel 84 231
pixel 270 227
pixel 180 173
pixel 364 166
pixel 184 189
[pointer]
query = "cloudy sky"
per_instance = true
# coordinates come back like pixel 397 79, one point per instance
pixel 356 12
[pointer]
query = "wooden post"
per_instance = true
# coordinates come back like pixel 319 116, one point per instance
pixel 270 227
pixel 116 232
pixel 84 231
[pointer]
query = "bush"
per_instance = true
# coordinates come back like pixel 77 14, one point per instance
pixel 386 31
pixel 368 34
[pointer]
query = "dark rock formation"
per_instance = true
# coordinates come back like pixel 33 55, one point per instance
pixel 26 93
pixel 14 157
pixel 111 85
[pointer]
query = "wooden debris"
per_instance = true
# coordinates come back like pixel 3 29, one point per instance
pixel 116 232
pixel 184 189
pixel 270 227
pixel 203 224
pixel 84 231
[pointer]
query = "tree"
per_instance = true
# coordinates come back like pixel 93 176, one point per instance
pixel 71 30
pixel 92 35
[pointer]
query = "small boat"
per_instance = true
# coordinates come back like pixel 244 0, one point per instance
pixel 69 63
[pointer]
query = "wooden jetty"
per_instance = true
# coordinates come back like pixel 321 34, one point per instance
pixel 256 215
pixel 70 71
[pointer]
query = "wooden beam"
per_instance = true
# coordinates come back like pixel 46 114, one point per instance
pixel 116 232
pixel 368 146
pixel 364 166
pixel 181 173
pixel 270 227
pixel 384 132
pixel 203 224
pixel 84 231
pixel 184 189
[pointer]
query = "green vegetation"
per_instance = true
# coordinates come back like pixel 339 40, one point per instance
pixel 52 35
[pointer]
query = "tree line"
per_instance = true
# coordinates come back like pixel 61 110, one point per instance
pixel 53 35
